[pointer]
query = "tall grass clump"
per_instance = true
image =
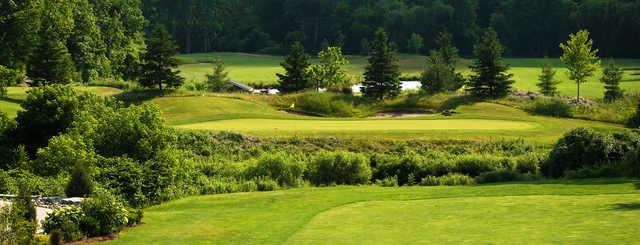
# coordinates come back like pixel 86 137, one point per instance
pixel 324 104
pixel 451 179
pixel 341 168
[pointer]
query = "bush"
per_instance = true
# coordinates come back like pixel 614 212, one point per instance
pixel 80 184
pixel 284 169
pixel 502 175
pixel 124 176
pixel 341 168
pixel 104 215
pixel 400 166
pixel 634 121
pixel 61 155
pixel 134 216
pixel 551 107
pixel 266 184
pixel 324 104
pixel 451 179
pixel 65 221
pixel 577 149
pixel 474 165
pixel 529 163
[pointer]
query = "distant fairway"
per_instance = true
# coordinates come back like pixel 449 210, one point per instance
pixel 479 121
pixel 568 212
pixel 10 108
pixel 262 69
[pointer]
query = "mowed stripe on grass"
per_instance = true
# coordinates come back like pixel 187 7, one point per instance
pixel 598 219
pixel 585 210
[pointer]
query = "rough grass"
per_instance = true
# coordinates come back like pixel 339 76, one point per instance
pixel 601 212
pixel 262 69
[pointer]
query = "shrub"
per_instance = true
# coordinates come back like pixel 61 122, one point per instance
pixel 634 121
pixel 551 107
pixel 388 182
pixel 56 238
pixel 61 155
pixel 80 184
pixel 529 163
pixel 134 216
pixel 65 222
pixel 451 179
pixel 577 149
pixel 324 104
pixel 474 165
pixel 338 168
pixel 502 175
pixel 104 214
pixel 284 169
pixel 266 184
pixel 124 176
pixel 399 166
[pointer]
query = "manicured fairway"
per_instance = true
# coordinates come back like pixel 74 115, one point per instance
pixel 10 108
pixel 587 212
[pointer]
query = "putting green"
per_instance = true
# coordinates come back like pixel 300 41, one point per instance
pixel 277 125
pixel 527 219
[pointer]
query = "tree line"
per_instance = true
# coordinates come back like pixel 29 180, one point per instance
pixel 527 28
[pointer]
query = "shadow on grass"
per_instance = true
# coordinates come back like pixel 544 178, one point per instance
pixel 455 102
pixel 139 96
pixel 598 181
pixel 10 100
pixel 627 206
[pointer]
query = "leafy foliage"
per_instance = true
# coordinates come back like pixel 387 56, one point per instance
pixel 218 81
pixel 283 169
pixel 103 215
pixel 80 183
pixel 330 72
pixel 580 57
pixel 551 107
pixel 338 168
pixel 415 43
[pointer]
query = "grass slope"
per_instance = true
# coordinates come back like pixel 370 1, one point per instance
pixel 564 212
pixel 479 121
pixel 262 68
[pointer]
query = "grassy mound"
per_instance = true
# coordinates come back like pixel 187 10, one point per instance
pixel 478 214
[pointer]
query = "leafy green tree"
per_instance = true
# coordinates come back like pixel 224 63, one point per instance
pixel 611 77
pixel 79 184
pixel 330 72
pixel 580 57
pixel 20 24
pixel 547 81
pixel 47 111
pixel 382 74
pixel 218 81
pixel 160 61
pixel 8 77
pixel 439 76
pixel 296 65
pixel 490 76
pixel 415 43
pixel 51 63
pixel 86 44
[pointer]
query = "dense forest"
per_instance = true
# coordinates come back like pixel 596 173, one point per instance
pixel 527 28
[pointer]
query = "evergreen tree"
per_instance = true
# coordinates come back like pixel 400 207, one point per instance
pixel 446 49
pixel 160 61
pixel 611 77
pixel 415 43
pixel 580 57
pixel 51 63
pixel 491 78
pixel 79 184
pixel 296 65
pixel 218 81
pixel 547 79
pixel 382 74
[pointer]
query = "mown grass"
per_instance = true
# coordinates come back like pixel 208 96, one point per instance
pixel 262 69
pixel 556 212
pixel 480 121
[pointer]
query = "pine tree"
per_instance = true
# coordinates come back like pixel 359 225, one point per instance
pixel 611 77
pixel 547 80
pixel 446 49
pixel 159 61
pixel 218 81
pixel 80 183
pixel 382 74
pixel 50 63
pixel 490 78
pixel 296 65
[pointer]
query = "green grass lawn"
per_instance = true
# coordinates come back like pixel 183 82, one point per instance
pixel 481 121
pixel 585 212
pixel 263 68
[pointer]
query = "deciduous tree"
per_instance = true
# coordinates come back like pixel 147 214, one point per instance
pixel 581 58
